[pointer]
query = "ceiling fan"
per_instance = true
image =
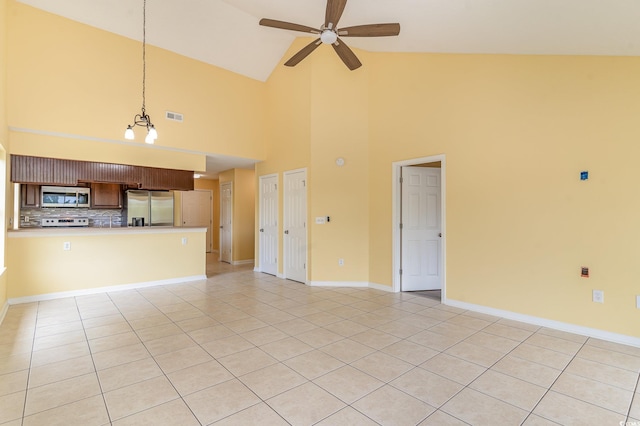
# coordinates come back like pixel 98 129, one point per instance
pixel 330 34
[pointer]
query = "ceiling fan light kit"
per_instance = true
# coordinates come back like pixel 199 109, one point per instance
pixel 330 34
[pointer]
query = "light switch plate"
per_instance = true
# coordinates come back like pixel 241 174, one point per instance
pixel 598 296
pixel 321 220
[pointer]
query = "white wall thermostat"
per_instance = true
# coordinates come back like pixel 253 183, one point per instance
pixel 340 161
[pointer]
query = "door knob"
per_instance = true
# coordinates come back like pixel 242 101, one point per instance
pixel 440 234
pixel 286 232
pixel 221 226
pixel 261 230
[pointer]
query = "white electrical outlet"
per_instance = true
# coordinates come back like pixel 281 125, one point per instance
pixel 66 245
pixel 184 241
pixel 598 296
pixel 340 262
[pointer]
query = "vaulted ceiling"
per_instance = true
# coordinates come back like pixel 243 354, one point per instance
pixel 226 33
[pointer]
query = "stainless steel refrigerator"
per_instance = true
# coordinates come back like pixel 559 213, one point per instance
pixel 149 208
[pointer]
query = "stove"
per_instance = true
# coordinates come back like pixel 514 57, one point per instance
pixel 64 222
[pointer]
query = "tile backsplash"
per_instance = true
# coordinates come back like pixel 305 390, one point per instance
pixel 98 218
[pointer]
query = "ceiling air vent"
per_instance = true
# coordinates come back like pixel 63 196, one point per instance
pixel 174 116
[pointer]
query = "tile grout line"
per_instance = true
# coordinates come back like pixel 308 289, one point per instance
pixel 636 393
pixel 555 381
pixel 213 357
pixel 33 343
pixel 154 360
pixel 95 368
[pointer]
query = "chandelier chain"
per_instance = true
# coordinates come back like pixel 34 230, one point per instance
pixel 142 119
pixel 144 52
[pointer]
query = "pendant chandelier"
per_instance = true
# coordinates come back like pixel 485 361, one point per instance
pixel 143 118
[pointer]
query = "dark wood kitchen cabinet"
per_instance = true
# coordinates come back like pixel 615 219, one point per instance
pixel 51 171
pixel 106 196
pixel 30 195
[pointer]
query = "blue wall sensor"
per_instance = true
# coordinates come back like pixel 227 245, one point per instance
pixel 584 175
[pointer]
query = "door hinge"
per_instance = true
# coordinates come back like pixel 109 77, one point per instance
pixel 304 266
pixel 304 183
pixel 400 226
pixel 401 179
pixel 400 271
pixel 276 186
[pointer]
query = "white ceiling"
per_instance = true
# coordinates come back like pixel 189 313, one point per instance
pixel 226 33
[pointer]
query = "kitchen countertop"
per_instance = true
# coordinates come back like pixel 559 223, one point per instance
pixel 85 231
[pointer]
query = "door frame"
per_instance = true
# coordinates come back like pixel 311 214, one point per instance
pixel 396 218
pixel 285 218
pixel 210 226
pixel 220 224
pixel 260 212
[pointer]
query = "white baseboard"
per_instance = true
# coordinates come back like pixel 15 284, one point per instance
pixel 543 322
pixel 381 287
pixel 242 262
pixel 3 312
pixel 354 284
pixel 359 284
pixel 88 291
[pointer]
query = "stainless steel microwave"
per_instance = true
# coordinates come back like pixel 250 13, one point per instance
pixel 62 196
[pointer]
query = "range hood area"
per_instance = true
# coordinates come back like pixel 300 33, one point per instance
pixel 67 197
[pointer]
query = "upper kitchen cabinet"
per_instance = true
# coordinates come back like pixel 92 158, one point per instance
pixel 51 171
pixel 106 196
pixel 30 195
pixel 163 179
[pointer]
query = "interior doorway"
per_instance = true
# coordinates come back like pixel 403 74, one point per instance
pixel 197 211
pixel 268 237
pixel 295 225
pixel 419 237
pixel 226 222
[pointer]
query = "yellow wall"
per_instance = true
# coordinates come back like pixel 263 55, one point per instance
pixel 244 208
pixel 5 203
pixel 339 128
pixel 320 112
pixel 39 265
pixel 517 131
pixel 67 78
pixel 288 125
pixel 214 186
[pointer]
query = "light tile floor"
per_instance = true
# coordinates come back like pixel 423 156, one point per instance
pixel 244 348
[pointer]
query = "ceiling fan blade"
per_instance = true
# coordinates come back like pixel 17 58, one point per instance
pixel 334 12
pixel 303 53
pixel 372 30
pixel 348 57
pixel 288 26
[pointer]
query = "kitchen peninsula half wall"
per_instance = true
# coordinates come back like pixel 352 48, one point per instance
pixel 54 263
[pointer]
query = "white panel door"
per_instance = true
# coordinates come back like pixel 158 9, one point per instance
pixel 197 209
pixel 226 221
pixel 295 226
pixel 269 224
pixel 421 229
